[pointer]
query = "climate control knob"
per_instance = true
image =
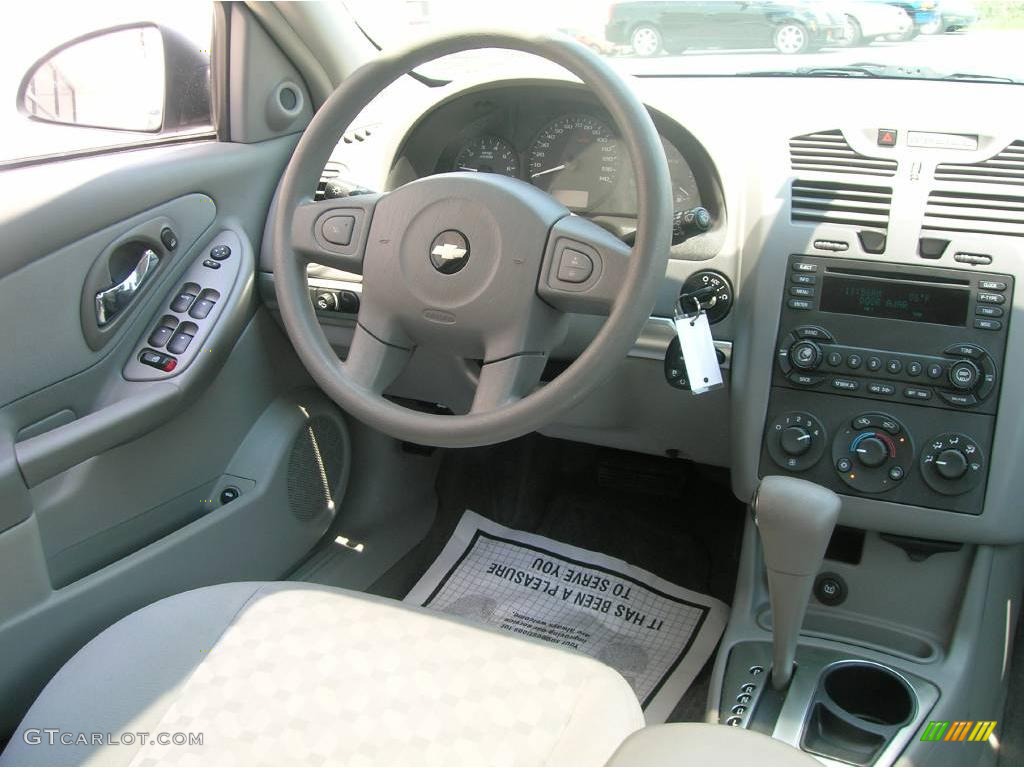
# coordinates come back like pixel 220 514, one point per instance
pixel 805 355
pixel 964 375
pixel 871 452
pixel 795 441
pixel 951 464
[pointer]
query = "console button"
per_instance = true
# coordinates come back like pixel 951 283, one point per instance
pixel 829 589
pixel 574 266
pixel 896 473
pixel 914 368
pixel 987 324
pixel 211 264
pixel 220 252
pixel 804 279
pixel 170 240
pixel 813 332
pixel 835 359
pixel 917 393
pixel 179 343
pixel 879 388
pixel 934 371
pixel 805 379
pixel 987 310
pixel 991 298
pixel 801 290
pixel 803 266
pixel 165 363
pixel 847 385
pixel 966 350
pixel 844 464
pixel 338 229
pixel 854 361
pixel 958 399
pixel 992 285
pixel 182 302
pixel 893 366
pixel 874 363
pixel 801 304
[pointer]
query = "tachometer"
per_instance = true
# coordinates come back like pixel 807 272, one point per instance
pixel 685 191
pixel 488 154
pixel 576 159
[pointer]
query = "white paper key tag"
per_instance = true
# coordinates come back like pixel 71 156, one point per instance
pixel 698 348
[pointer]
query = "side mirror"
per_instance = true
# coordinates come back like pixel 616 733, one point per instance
pixel 134 77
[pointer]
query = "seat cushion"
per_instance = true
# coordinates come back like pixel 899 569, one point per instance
pixel 301 674
pixel 682 744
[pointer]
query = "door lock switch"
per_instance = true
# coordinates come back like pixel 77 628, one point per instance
pixel 154 359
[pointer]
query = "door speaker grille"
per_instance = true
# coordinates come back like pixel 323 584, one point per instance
pixel 315 467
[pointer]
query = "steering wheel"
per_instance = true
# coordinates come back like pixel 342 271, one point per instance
pixel 483 266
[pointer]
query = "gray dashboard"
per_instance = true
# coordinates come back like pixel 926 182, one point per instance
pixel 746 153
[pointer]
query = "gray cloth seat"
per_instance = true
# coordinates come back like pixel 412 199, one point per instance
pixel 300 674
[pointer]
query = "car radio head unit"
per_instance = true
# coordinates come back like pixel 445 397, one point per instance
pixel 856 292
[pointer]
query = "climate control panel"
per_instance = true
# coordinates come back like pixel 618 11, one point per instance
pixel 872 453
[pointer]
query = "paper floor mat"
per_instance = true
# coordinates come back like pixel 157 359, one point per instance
pixel 656 634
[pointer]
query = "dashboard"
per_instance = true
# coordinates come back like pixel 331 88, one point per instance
pixel 558 138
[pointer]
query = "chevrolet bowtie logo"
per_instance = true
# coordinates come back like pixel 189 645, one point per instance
pixel 449 252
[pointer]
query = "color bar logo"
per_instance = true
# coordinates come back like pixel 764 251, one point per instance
pixel 958 730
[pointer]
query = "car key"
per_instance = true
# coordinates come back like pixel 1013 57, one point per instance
pixel 698 348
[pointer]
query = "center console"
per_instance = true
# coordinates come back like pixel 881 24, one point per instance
pixel 886 380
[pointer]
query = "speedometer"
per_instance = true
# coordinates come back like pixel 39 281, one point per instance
pixel 576 159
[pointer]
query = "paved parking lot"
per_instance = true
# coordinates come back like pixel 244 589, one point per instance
pixel 978 51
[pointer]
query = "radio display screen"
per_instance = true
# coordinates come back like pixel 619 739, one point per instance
pixel 894 300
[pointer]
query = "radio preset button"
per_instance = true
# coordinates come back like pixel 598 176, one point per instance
pixel 991 285
pixel 987 324
pixel 935 371
pixel 835 359
pixel 991 298
pixel 874 363
pixel 893 366
pixel 917 393
pixel 854 361
pixel 914 368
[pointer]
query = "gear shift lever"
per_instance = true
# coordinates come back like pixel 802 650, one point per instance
pixel 795 519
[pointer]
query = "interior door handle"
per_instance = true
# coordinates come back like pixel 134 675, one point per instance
pixel 110 301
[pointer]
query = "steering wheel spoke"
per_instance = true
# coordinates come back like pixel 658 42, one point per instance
pixel 584 267
pixel 333 232
pixel 374 364
pixel 505 381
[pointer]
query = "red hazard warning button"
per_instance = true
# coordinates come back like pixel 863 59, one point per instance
pixel 886 137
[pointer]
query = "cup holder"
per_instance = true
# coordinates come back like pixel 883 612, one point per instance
pixel 856 711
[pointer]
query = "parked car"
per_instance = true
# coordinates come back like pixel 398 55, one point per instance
pixel 923 13
pixel 954 16
pixel 653 26
pixel 867 22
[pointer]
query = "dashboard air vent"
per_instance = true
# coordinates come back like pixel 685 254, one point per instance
pixel 855 205
pixel 975 213
pixel 829 151
pixel 1005 168
pixel 331 171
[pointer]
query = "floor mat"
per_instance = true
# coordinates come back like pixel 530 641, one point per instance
pixel 658 635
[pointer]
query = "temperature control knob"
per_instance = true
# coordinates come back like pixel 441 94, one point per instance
pixel 952 463
pixel 872 452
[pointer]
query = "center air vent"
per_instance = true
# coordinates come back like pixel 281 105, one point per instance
pixel 830 152
pixel 855 205
pixel 975 213
pixel 1005 168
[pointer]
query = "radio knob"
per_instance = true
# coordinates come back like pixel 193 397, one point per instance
pixel 964 375
pixel 795 441
pixel 872 452
pixel 805 355
pixel 951 464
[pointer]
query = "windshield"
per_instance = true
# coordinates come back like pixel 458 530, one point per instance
pixel 964 40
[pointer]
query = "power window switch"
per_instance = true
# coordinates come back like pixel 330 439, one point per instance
pixel 201 309
pixel 182 302
pixel 160 336
pixel 164 363
pixel 211 264
pixel 179 343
